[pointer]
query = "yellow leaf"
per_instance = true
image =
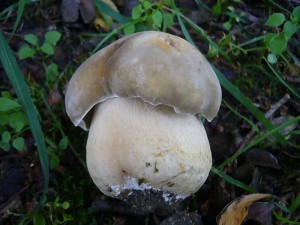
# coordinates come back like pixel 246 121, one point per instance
pixel 236 211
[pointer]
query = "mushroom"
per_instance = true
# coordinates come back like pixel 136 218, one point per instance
pixel 139 98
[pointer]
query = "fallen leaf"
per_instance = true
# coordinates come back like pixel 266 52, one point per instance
pixel 235 212
pixel 261 157
pixel 261 212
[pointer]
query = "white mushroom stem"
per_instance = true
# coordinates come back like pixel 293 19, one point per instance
pixel 133 140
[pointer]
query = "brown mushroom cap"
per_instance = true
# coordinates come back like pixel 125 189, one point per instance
pixel 158 67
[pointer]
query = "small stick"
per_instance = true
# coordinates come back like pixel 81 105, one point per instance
pixel 268 114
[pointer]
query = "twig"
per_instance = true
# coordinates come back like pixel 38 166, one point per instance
pixel 268 114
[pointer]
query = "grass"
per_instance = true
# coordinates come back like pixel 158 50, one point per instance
pixel 251 114
pixel 18 82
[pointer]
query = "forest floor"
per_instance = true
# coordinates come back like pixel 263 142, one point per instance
pixel 255 49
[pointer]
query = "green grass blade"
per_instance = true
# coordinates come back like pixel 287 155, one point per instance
pixel 285 220
pixel 281 80
pixel 182 26
pixel 105 39
pixel 203 5
pixel 260 139
pixel 18 82
pixel 234 91
pixel 233 181
pixel 111 34
pixel 240 115
pixel 106 10
pixel 296 203
pixel 21 7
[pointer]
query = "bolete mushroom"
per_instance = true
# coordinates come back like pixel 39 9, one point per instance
pixel 139 98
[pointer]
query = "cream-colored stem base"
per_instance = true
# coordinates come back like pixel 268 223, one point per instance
pixel 135 145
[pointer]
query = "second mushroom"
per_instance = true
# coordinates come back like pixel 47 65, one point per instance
pixel 139 98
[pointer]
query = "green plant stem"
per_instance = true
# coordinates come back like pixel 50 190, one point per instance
pixel 253 40
pixel 233 181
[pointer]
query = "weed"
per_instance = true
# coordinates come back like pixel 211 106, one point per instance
pixel 149 16
pixel 53 213
pixel 13 123
pixel 277 42
pixel 33 47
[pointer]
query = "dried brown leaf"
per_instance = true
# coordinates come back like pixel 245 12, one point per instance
pixel 235 212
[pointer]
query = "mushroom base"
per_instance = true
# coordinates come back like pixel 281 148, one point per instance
pixel 152 201
pixel 133 145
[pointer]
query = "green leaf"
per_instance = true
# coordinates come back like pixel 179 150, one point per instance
pixel 157 18
pixel 289 29
pixel 52 37
pixel 54 161
pixel 5 146
pixel 278 44
pixel 67 217
pixel 272 58
pixel 275 20
pixel 6 136
pixel 26 52
pixel 17 121
pixel 17 80
pixel 167 20
pixel 7 104
pixel 217 9
pixel 65 205
pixel 6 94
pixel 63 143
pixel 31 39
pixel 268 38
pixel 296 13
pixel 4 118
pixel 147 4
pixel 19 143
pixel 47 48
pixel 129 29
pixel 227 25
pixel 137 12
pixel 52 72
pixel 39 219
